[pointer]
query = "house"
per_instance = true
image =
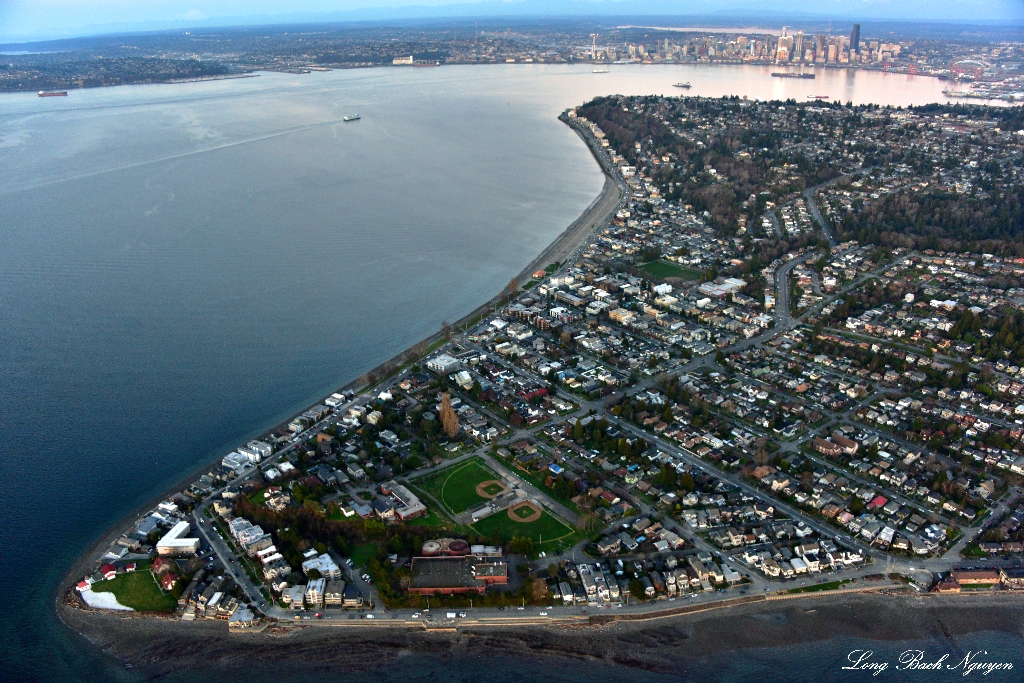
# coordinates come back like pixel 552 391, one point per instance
pixel 609 545
pixel 294 596
pixel 976 577
pixel 826 447
pixel 168 580
pixel 1012 579
pixel 848 446
pixel 326 566
pixel 315 592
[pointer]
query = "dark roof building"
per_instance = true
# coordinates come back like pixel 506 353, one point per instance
pixel 448 575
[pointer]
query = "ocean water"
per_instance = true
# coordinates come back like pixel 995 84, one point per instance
pixel 184 266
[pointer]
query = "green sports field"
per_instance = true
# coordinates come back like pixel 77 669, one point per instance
pixel 455 486
pixel 663 269
pixel 549 532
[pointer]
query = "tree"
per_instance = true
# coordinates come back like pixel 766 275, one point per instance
pixel 446 330
pixel 418 350
pixel 636 589
pixel 449 420
pixel 539 589
pixel 513 288
pixel 521 545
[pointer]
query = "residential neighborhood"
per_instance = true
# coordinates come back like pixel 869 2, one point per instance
pixel 737 387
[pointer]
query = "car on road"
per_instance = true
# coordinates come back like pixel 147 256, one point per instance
pixel 371 616
pixel 543 614
pixel 416 615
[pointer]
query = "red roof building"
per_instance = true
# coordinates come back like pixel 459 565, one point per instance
pixel 168 581
pixel 877 502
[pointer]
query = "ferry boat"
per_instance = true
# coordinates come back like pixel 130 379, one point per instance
pixel 791 74
pixel 817 97
pixel 53 93
pixel 682 85
pixel 352 117
pixel 600 71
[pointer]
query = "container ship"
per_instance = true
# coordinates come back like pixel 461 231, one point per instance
pixel 791 74
pixel 53 93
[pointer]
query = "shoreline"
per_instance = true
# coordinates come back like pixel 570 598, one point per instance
pixel 255 72
pixel 595 215
pixel 659 645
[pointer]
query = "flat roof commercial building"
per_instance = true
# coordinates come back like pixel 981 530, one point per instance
pixel 450 575
pixel 174 543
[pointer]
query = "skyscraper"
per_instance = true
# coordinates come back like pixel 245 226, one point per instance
pixel 855 39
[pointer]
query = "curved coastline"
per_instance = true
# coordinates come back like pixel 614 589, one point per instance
pixel 651 643
pixel 597 214
pixel 667 645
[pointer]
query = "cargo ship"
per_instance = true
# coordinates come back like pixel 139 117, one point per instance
pixel 53 93
pixel 791 74
pixel 682 85
pixel 351 117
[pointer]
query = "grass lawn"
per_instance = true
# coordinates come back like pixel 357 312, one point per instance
pixel 537 479
pixel 548 532
pixel 139 591
pixel 663 269
pixel 338 516
pixel 429 520
pixel 830 586
pixel 257 497
pixel 455 487
pixel 361 554
pixel 493 489
pixel 523 511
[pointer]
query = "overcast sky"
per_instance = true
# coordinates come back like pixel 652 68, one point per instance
pixel 40 19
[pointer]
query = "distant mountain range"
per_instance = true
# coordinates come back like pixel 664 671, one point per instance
pixel 28 21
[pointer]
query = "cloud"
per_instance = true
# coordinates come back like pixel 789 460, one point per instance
pixel 191 15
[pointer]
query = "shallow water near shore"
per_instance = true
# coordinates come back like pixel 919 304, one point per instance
pixel 821 661
pixel 182 267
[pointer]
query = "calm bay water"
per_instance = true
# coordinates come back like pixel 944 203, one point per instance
pixel 183 266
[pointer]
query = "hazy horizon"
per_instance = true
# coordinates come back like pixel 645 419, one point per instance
pixel 36 20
